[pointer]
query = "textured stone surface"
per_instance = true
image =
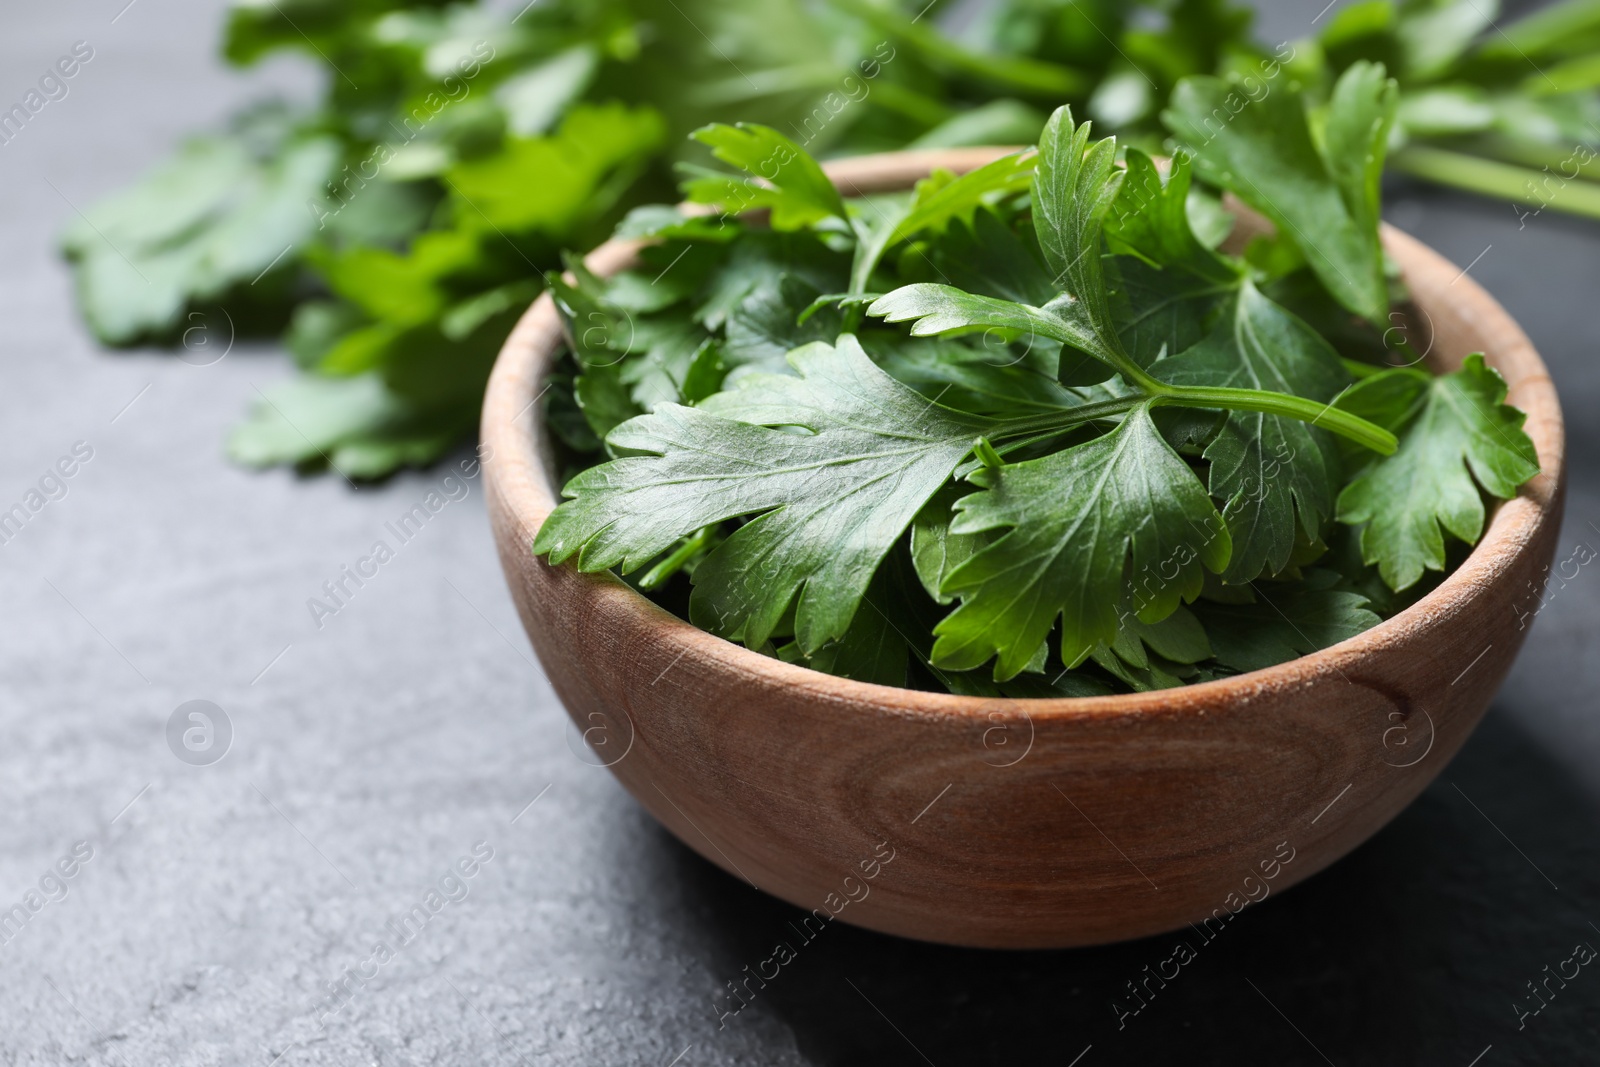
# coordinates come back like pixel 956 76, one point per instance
pixel 221 900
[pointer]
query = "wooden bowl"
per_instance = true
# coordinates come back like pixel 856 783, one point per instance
pixel 1025 823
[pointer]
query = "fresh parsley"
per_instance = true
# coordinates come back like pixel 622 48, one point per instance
pixel 392 230
pixel 1025 431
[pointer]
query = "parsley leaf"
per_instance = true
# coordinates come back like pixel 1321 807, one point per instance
pixel 1355 137
pixel 828 505
pixel 599 337
pixel 1282 624
pixel 219 215
pixel 874 648
pixel 1150 219
pixel 935 549
pixel 358 426
pixel 1159 655
pixel 985 257
pixel 936 310
pixel 1463 435
pixel 762 330
pixel 985 379
pixel 1262 150
pixel 1167 281
pixel 937 201
pixel 1073 521
pixel 567 169
pixel 1074 189
pixel 782 177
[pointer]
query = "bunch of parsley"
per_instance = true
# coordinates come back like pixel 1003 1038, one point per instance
pixel 393 231
pixel 1105 454
pixel 399 227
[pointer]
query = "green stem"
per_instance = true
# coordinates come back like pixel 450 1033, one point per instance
pixel 1314 412
pixel 1016 72
pixel 1541 31
pixel 1052 422
pixel 1138 376
pixel 1561 161
pixel 1490 178
pixel 1576 75
pixel 871 243
pixel 674 563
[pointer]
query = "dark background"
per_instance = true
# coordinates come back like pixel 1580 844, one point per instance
pixel 370 754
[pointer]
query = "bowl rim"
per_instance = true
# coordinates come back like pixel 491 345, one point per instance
pixel 517 474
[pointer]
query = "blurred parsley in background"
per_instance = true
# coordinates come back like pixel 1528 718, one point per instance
pixel 395 232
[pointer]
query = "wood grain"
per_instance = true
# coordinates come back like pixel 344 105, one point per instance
pixel 1015 823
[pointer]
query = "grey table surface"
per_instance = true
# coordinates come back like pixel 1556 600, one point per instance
pixel 219 902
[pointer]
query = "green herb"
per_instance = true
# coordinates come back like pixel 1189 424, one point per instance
pixel 1107 459
pixel 394 230
pixel 1325 197
pixel 207 222
pixel 1076 521
pixel 1457 434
